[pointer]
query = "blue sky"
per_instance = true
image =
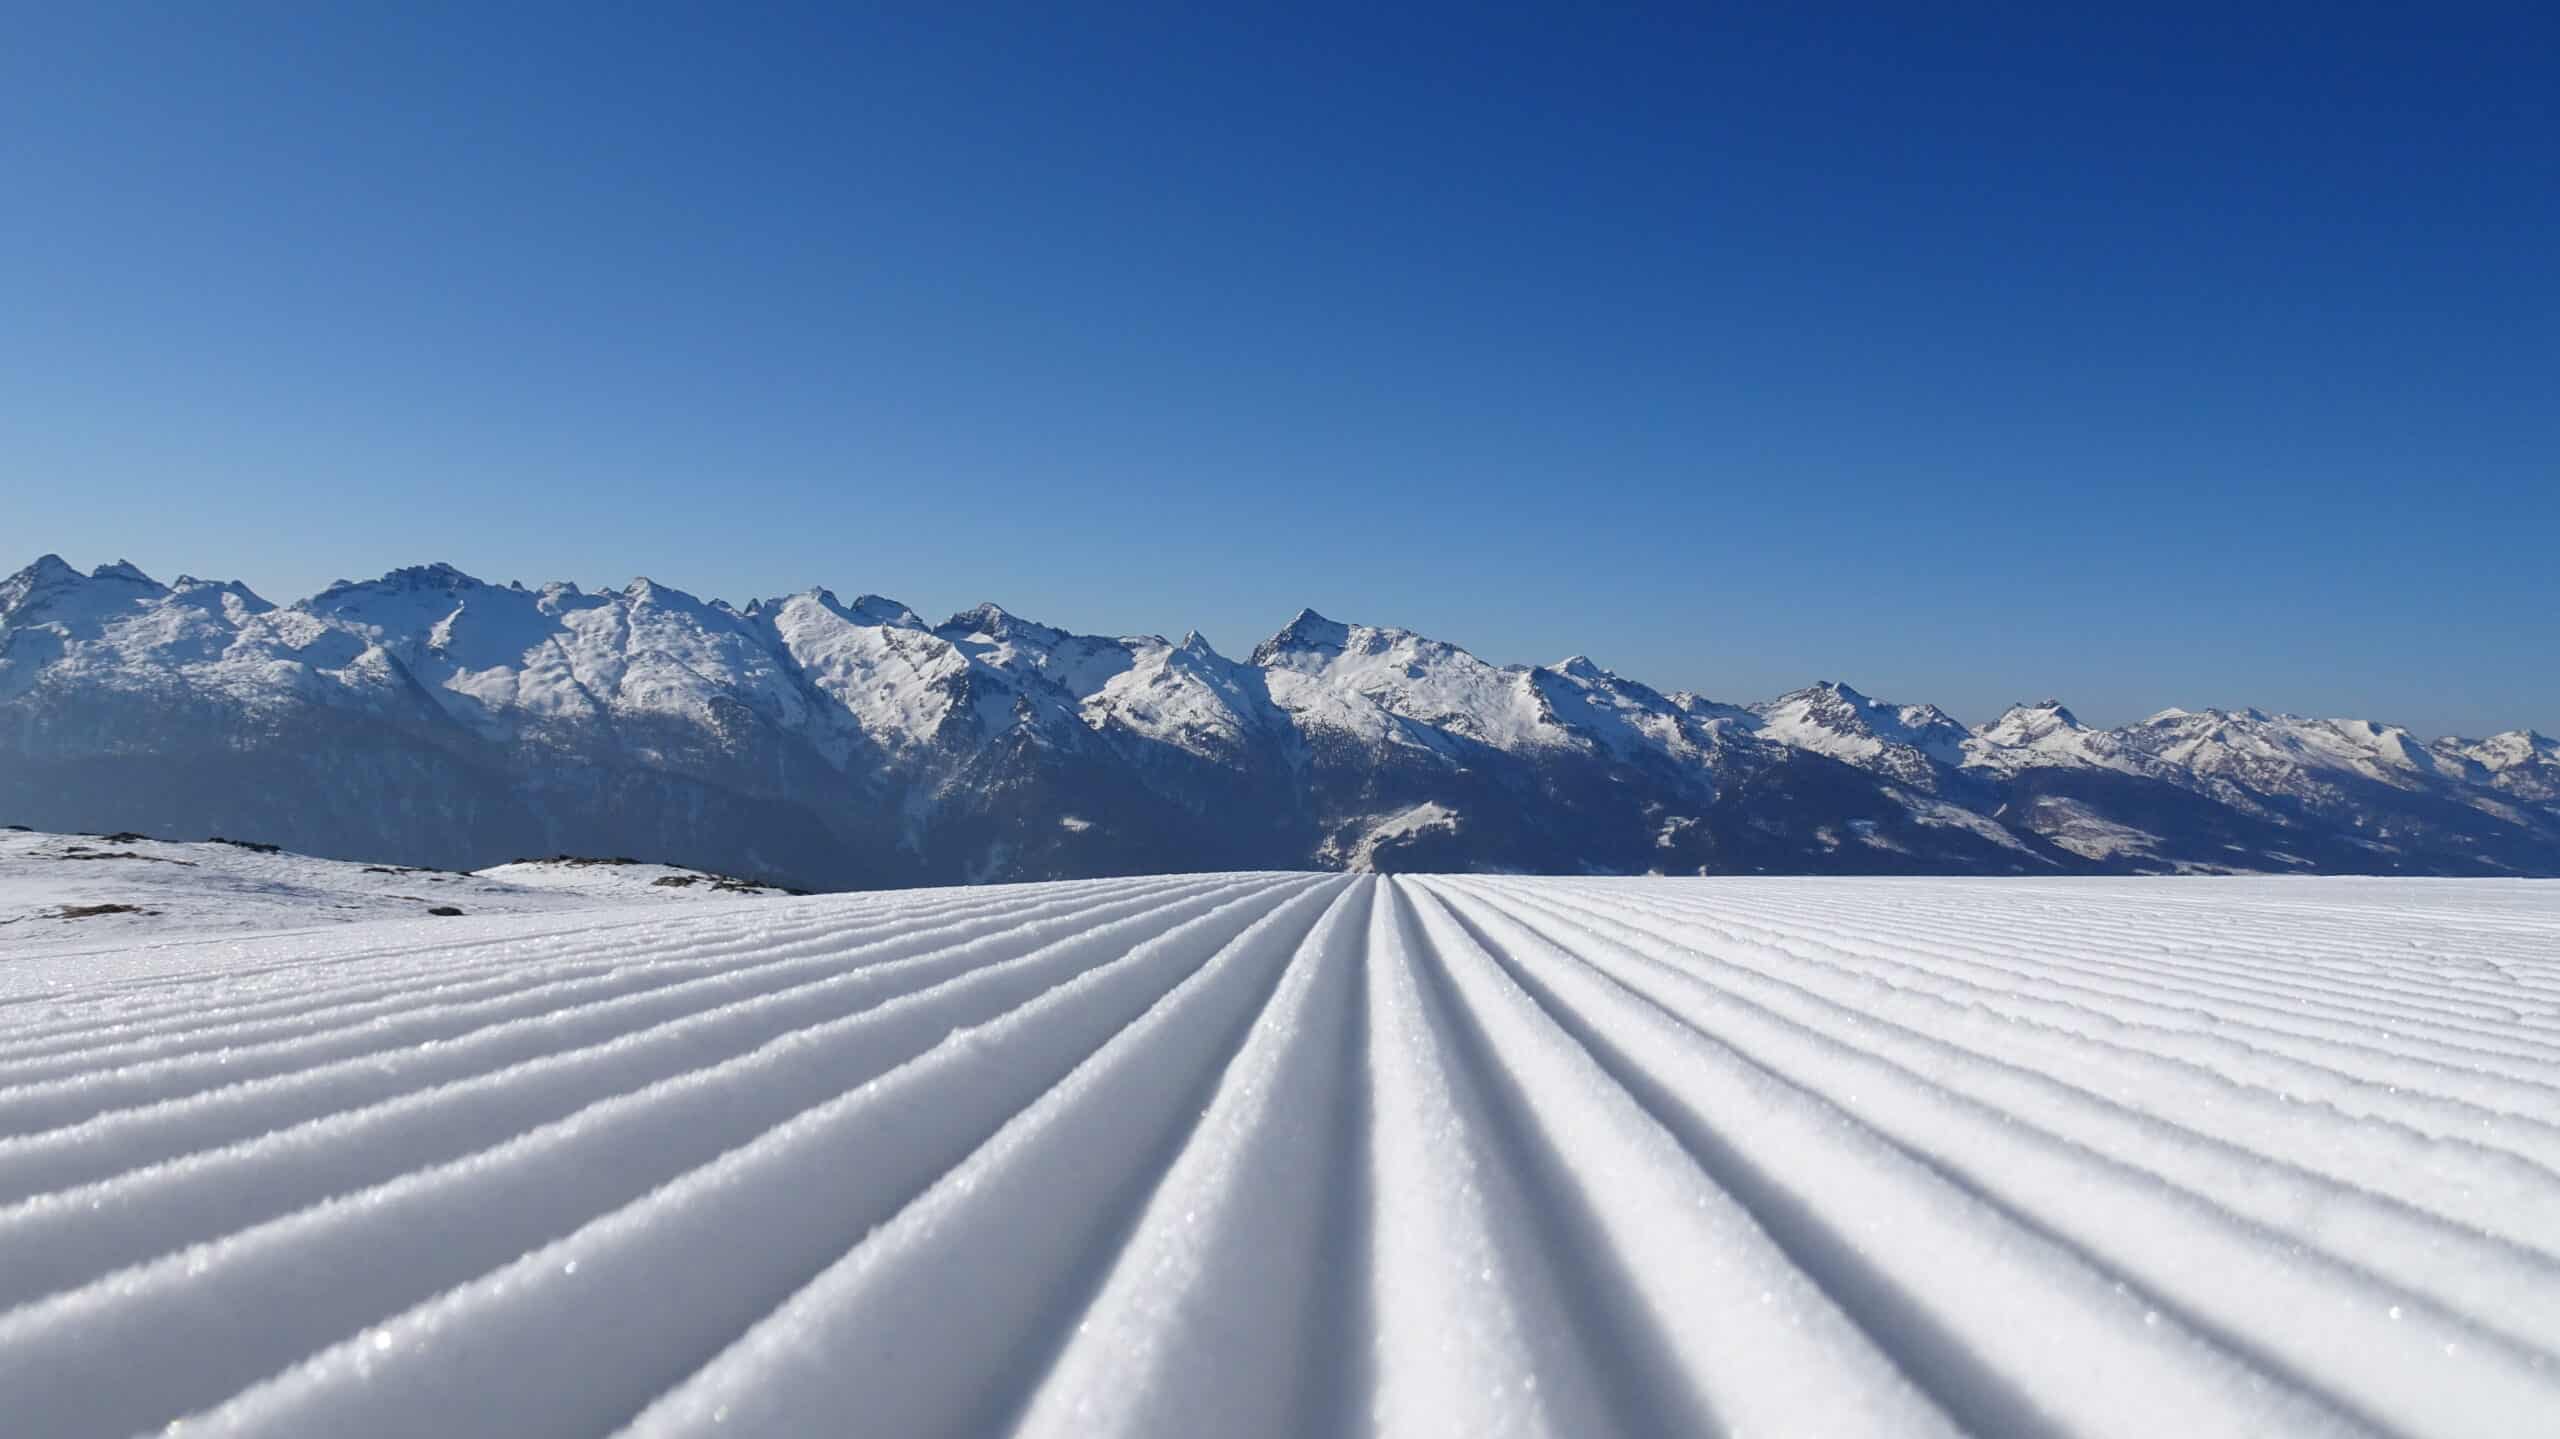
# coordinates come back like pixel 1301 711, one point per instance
pixel 2184 355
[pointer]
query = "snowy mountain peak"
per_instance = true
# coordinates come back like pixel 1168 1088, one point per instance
pixel 647 595
pixel 2518 746
pixel 126 571
pixel 1720 713
pixel 436 576
pixel 433 579
pixel 2046 736
pixel 190 590
pixel 1580 667
pixel 53 590
pixel 2022 723
pixel 2205 720
pixel 871 609
pixel 997 623
pixel 1307 631
pixel 1398 688
pixel 1825 703
pixel 47 569
pixel 1909 743
pixel 2523 763
pixel 2515 742
pixel 29 588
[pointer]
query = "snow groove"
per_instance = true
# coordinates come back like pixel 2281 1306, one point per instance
pixel 1300 1154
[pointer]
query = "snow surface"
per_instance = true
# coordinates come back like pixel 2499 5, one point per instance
pixel 85 891
pixel 1284 1154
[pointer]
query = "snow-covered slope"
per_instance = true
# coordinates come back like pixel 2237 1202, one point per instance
pixel 1274 1154
pixel 433 718
pixel 92 890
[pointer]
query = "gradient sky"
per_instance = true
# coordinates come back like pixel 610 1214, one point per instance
pixel 2182 355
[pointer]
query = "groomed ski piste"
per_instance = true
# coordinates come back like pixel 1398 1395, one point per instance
pixel 1266 1154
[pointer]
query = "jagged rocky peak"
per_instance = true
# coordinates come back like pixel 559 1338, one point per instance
pixel 2178 720
pixel 1377 653
pixel 870 610
pixel 873 609
pixel 2026 723
pixel 436 578
pixel 646 593
pixel 2517 745
pixel 187 589
pixel 1832 718
pixel 1693 703
pixel 125 571
pixel 1578 679
pixel 112 586
pixel 2523 762
pixel 184 583
pixel 23 590
pixel 2505 750
pixel 47 568
pixel 997 623
pixel 1825 702
pixel 2215 715
pixel 50 581
pixel 1194 650
pixel 2216 720
pixel 1307 631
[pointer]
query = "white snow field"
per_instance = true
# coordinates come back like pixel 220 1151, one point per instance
pixel 93 892
pixel 1275 1154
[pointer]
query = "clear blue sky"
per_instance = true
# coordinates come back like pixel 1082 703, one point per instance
pixel 2185 354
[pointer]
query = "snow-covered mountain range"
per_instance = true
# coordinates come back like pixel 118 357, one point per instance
pixel 427 717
